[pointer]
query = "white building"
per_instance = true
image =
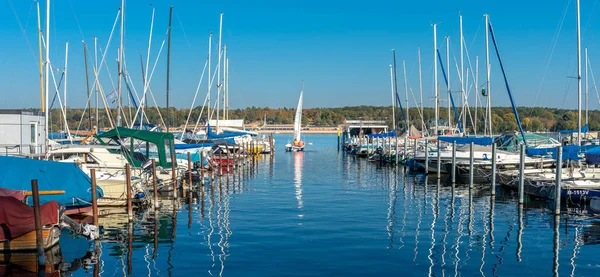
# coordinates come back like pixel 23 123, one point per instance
pixel 22 132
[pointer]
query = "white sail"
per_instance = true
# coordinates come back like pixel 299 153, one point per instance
pixel 298 118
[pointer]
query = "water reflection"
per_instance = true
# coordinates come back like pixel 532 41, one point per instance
pixel 298 164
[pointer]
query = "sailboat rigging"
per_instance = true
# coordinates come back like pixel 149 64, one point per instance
pixel 298 144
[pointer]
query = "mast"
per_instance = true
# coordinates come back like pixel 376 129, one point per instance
pixel 224 80
pixel 42 95
pixel 87 84
pixel 393 97
pixel 65 86
pixel 578 76
pixel 476 92
pixel 168 65
pixel 462 72
pixel 435 77
pixel 448 78
pixel 586 87
pixel 47 79
pixel 209 78
pixel 397 102
pixel 219 84
pixel 406 92
pixel 487 75
pixel 420 84
pixel 227 87
pixel 120 63
pixel 95 70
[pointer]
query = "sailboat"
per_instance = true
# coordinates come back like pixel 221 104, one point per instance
pixel 298 144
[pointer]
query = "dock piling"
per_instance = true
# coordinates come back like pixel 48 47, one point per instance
pixel 94 197
pixel 174 175
pixel 522 175
pixel 128 188
pixel 558 180
pixel 39 240
pixel 453 170
pixel 189 171
pixel 471 167
pixel 154 184
pixel 439 165
pixel 426 156
pixel 493 169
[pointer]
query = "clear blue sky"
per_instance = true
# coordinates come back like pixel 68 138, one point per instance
pixel 340 48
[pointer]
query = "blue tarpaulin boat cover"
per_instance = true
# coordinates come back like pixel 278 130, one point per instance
pixel 384 135
pixel 226 134
pixel 585 129
pixel 592 156
pixel 570 152
pixel 17 174
pixel 466 140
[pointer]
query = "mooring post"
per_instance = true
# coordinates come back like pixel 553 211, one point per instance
pixel 439 163
pixel 94 197
pixel 189 171
pixel 174 175
pixel 426 156
pixel 39 239
pixel 522 175
pixel 471 167
pixel 155 185
pixel 493 169
pixel 558 180
pixel 396 149
pixel 453 169
pixel 404 148
pixel 128 188
pixel 201 168
pixel 272 144
pixel 338 142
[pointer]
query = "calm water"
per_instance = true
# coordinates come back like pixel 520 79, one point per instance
pixel 324 213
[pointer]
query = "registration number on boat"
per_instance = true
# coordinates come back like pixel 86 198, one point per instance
pixel 578 192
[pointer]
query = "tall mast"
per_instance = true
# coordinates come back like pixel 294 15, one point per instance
pixel 209 77
pixel 169 65
pixel 227 87
pixel 47 79
pixel 42 95
pixel 586 87
pixel 476 92
pixel 578 77
pixel 87 84
pixel 395 80
pixel 487 75
pixel 224 79
pixel 406 92
pixel 120 64
pixel 219 84
pixel 95 70
pixel 65 80
pixel 420 84
pixel 393 97
pixel 462 72
pixel 435 77
pixel 448 78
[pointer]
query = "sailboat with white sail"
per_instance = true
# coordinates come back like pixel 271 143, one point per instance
pixel 298 144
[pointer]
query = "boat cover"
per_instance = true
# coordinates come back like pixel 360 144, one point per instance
pixel 570 152
pixel 391 134
pixel 585 129
pixel 226 134
pixel 592 156
pixel 17 174
pixel 467 140
pixel 17 194
pixel 17 219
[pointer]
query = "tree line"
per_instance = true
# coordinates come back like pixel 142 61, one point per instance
pixel 533 119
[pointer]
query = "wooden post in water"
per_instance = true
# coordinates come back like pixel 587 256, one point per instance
pixel 39 239
pixel 558 180
pixel 189 160
pixel 439 163
pixel 221 161
pixel 201 168
pixel 426 156
pixel 128 188
pixel 272 143
pixel 154 184
pixel 338 142
pixel 396 149
pixel 404 148
pixel 522 175
pixel 174 175
pixel 453 169
pixel 471 167
pixel 493 169
pixel 94 197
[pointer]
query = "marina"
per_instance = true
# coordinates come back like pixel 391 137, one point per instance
pixel 103 179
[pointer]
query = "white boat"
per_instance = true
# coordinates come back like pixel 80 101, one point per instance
pixel 298 144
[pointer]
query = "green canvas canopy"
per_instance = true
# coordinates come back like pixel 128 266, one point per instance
pixel 164 143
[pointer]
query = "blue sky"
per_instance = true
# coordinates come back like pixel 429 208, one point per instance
pixel 341 49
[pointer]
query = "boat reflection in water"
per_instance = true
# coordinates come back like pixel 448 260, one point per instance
pixel 298 164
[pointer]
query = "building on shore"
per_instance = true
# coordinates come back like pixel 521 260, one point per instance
pixel 22 132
